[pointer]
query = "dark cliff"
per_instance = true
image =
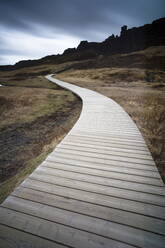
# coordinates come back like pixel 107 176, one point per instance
pixel 130 40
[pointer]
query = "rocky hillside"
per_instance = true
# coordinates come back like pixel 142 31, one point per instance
pixel 130 40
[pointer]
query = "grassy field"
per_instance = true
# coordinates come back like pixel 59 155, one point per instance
pixel 35 115
pixel 142 94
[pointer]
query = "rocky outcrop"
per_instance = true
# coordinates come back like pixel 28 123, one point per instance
pixel 136 39
pixel 130 40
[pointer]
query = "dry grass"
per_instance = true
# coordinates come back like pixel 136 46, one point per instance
pixel 143 99
pixel 32 76
pixel 123 77
pixel 25 105
pixel 33 119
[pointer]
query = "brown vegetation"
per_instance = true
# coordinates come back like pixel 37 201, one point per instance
pixel 33 119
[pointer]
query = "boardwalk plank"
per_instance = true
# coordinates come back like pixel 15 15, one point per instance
pixel 110 143
pixel 89 152
pixel 53 176
pixel 105 149
pixel 14 238
pixel 57 232
pixel 89 224
pixel 113 182
pixel 82 157
pixel 101 167
pixel 135 178
pixel 88 209
pixel 97 199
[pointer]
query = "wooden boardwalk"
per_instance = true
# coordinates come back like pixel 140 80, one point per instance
pixel 99 188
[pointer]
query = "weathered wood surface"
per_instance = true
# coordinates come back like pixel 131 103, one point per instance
pixel 99 187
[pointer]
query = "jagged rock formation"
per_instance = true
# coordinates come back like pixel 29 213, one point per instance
pixel 130 40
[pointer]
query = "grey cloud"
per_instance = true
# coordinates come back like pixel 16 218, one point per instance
pixel 84 19
pixel 77 16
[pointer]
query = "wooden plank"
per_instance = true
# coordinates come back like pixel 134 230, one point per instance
pixel 113 182
pixel 94 154
pixel 57 232
pixel 103 167
pixel 97 199
pixel 111 127
pixel 111 131
pixel 139 145
pixel 104 174
pixel 110 143
pixel 112 136
pixel 100 161
pixel 105 150
pixel 14 238
pixel 85 208
pixel 53 176
pixel 86 223
pixel 130 178
pixel 131 152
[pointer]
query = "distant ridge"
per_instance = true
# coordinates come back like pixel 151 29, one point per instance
pixel 130 40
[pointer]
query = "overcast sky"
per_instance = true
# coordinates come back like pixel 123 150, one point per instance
pixel 35 28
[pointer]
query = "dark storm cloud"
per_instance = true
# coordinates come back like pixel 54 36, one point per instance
pixel 66 22
pixel 79 17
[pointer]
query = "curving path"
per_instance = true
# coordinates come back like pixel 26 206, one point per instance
pixel 98 188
